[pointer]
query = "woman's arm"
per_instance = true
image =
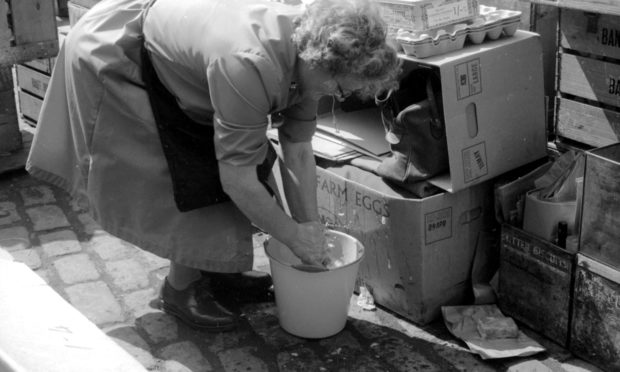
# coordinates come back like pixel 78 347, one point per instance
pixel 306 240
pixel 298 169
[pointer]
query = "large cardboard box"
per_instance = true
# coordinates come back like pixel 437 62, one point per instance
pixel 493 106
pixel 418 252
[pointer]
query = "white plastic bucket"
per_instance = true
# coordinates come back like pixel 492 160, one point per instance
pixel 314 304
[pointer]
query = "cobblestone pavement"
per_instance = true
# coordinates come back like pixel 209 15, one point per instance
pixel 115 285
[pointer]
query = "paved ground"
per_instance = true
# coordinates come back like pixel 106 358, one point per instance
pixel 40 226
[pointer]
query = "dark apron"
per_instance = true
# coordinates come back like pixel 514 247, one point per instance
pixel 188 148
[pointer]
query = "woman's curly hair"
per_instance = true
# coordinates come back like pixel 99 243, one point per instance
pixel 348 38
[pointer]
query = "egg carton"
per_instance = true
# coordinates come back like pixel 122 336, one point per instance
pixel 491 24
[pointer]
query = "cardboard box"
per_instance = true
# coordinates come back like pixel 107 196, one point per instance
pixel 493 106
pixel 418 252
pixel 595 334
pixel 418 15
pixel 43 332
pixel 535 283
pixel 600 220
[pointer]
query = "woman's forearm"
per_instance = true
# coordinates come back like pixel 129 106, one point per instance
pixel 251 197
pixel 298 169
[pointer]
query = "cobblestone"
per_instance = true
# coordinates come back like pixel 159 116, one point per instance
pixel 14 238
pixel 127 274
pixel 47 217
pixel 37 195
pixel 60 243
pixel 76 269
pixel 96 302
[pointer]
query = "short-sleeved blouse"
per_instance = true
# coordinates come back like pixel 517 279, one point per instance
pixel 231 63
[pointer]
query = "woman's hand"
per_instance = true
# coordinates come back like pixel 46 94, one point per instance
pixel 309 244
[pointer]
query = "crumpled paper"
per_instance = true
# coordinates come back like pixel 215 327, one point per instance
pixel 461 322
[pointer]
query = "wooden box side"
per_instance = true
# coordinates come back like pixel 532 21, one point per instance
pixel 595 330
pixel 600 235
pixel 535 283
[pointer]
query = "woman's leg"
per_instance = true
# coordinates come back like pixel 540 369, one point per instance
pixel 180 276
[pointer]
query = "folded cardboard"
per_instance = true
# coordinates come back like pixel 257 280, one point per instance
pixel 493 107
pixel 40 331
pixel 418 252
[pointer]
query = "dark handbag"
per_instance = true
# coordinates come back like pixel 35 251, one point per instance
pixel 416 134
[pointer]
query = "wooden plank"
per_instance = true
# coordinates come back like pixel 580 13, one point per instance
pixel 587 124
pixel 32 81
pixel 596 315
pixel 33 21
pixel 600 235
pixel 590 78
pixel 535 279
pixel 12 55
pixel 591 33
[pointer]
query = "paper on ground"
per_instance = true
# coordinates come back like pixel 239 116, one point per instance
pixel 461 322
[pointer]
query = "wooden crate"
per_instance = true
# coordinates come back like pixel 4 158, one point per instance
pixel 595 330
pixel 535 283
pixel 27 31
pixel 600 223
pixel 588 83
pixel 10 136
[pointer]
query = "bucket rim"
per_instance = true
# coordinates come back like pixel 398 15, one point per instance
pixel 335 232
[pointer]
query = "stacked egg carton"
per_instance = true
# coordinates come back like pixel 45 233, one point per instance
pixel 491 24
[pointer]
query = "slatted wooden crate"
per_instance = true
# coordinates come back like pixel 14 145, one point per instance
pixel 27 31
pixel 588 101
pixel 535 283
pixel 595 329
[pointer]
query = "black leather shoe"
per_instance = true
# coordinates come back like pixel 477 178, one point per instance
pixel 251 281
pixel 204 313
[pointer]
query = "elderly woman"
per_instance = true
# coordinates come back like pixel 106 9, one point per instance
pixel 157 114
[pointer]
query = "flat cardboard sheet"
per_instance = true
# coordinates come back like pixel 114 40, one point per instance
pixel 362 128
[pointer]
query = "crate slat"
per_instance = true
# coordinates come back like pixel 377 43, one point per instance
pixel 587 124
pixel 32 81
pixel 592 33
pixel 590 78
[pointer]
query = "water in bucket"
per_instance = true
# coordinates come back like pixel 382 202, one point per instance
pixel 315 304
